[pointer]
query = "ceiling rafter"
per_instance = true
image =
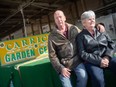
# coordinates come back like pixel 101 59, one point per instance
pixel 15 12
pixel 10 15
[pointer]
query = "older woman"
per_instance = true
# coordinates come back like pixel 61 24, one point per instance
pixel 95 49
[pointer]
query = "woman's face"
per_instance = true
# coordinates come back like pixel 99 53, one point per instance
pixel 89 23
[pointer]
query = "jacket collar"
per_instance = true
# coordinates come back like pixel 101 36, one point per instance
pixel 56 31
pixel 96 32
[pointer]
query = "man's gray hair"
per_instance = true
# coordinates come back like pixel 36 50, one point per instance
pixel 87 14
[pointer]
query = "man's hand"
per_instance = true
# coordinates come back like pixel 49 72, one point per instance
pixel 66 72
pixel 104 62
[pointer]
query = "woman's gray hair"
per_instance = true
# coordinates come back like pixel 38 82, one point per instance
pixel 87 14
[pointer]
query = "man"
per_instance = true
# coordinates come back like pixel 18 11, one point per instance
pixel 96 49
pixel 63 53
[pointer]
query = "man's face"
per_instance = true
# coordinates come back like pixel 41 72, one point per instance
pixel 89 23
pixel 59 19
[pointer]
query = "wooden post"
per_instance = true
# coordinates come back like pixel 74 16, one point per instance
pixel 76 9
pixel 49 22
pixel 83 5
pixel 32 28
pixel 41 26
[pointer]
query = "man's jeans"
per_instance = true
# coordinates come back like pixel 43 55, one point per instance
pixel 81 77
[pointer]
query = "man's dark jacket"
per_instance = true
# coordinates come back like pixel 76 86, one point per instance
pixel 63 51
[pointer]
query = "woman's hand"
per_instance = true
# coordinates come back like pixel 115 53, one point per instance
pixel 104 62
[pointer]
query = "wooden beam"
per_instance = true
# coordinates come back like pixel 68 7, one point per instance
pixel 40 22
pixel 49 22
pixel 32 28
